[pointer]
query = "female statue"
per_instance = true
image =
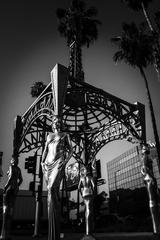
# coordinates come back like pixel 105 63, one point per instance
pixel 9 196
pixel 57 152
pixel 152 188
pixel 86 187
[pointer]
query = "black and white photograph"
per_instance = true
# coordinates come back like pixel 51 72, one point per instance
pixel 80 120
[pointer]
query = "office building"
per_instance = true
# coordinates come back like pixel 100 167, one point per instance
pixel 124 172
pixel 127 192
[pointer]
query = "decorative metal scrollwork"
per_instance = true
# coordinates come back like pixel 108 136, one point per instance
pixel 108 117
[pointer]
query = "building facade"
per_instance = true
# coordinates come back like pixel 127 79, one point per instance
pixel 127 191
pixel 124 172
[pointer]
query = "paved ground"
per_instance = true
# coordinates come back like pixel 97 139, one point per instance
pixel 98 236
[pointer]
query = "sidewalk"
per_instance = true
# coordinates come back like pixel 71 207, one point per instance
pixel 98 236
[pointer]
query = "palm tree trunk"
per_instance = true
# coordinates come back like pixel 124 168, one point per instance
pixel 147 17
pixel 157 45
pixel 75 65
pixel 72 59
pixel 79 72
pixel 156 137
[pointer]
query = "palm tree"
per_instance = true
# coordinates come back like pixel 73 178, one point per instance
pixel 136 49
pixel 78 25
pixel 37 88
pixel 142 5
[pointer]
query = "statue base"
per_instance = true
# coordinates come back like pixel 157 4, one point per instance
pixel 88 237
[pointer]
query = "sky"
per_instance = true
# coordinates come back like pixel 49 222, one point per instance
pixel 30 46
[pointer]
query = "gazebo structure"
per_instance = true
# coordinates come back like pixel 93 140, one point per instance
pixel 90 115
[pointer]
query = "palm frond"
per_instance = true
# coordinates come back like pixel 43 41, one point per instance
pixel 92 11
pixel 136 5
pixel 135 46
pixel 78 22
pixel 118 56
pixel 37 88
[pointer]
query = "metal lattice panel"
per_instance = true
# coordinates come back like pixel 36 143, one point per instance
pixel 107 117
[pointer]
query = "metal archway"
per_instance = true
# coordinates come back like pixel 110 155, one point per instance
pixel 90 115
pixel 106 118
pixel 87 112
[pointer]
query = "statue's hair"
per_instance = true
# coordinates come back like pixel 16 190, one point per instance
pixel 14 160
pixel 58 118
pixel 86 168
pixel 83 167
pixel 146 148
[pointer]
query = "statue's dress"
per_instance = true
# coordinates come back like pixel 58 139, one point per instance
pixel 53 172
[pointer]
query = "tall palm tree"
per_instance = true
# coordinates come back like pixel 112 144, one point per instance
pixel 79 26
pixel 142 5
pixel 37 88
pixel 136 49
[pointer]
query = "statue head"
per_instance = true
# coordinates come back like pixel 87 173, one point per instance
pixel 83 171
pixel 14 160
pixel 56 123
pixel 145 149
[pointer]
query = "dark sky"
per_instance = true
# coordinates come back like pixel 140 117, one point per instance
pixel 30 46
